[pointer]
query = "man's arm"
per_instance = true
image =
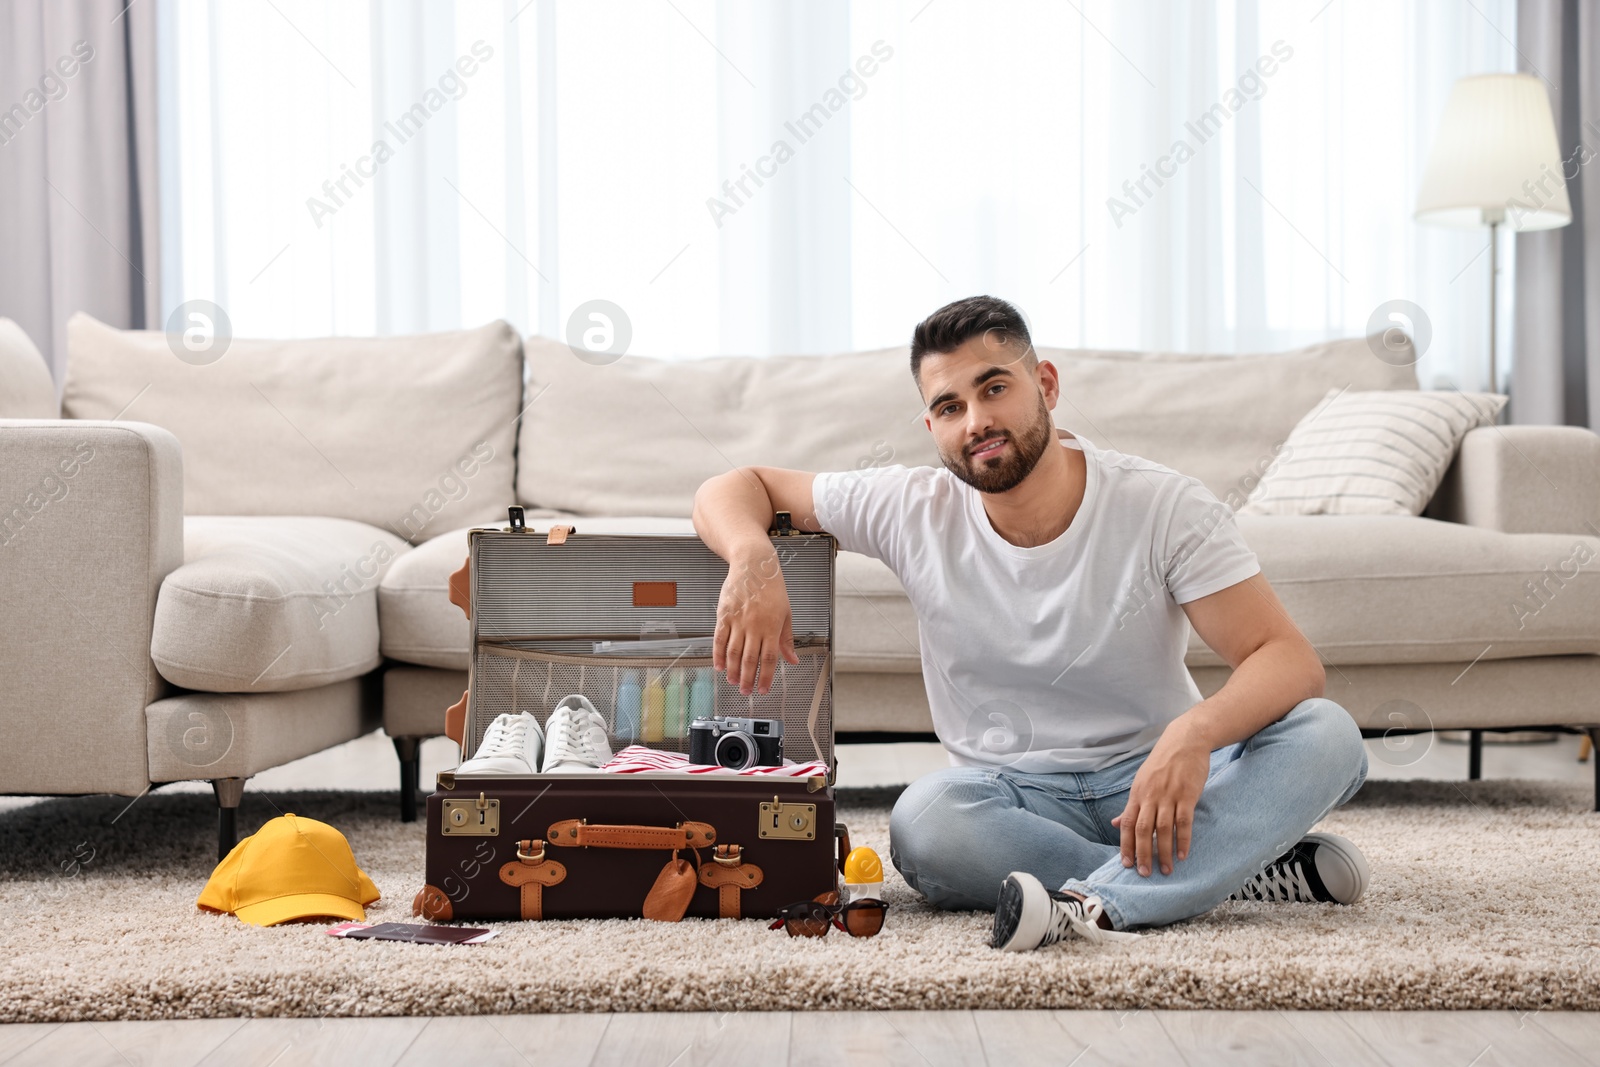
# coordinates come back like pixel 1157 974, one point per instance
pixel 732 514
pixel 1274 668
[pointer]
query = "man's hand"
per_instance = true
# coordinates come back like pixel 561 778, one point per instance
pixel 1162 799
pixel 754 622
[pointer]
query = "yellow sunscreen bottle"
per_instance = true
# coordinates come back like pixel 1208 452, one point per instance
pixel 863 875
pixel 655 707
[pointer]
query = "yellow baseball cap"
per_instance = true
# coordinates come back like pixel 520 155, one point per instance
pixel 291 868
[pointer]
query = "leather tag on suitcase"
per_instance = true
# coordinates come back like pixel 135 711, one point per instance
pixel 669 898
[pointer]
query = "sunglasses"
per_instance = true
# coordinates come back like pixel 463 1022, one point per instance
pixel 811 918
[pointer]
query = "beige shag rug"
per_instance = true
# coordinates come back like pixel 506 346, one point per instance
pixel 1482 896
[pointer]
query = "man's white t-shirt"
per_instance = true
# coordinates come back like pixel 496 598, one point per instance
pixel 1067 656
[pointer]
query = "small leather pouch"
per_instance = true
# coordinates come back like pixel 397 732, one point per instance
pixel 669 898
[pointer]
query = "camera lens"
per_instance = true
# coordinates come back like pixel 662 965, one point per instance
pixel 736 750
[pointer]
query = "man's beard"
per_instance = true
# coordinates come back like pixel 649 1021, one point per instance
pixel 1007 472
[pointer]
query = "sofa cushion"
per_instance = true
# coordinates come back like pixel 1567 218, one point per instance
pixel 1369 589
pixel 26 390
pixel 640 435
pixel 417 623
pixel 1220 419
pixel 271 603
pixel 411 434
pixel 1364 589
pixel 876 625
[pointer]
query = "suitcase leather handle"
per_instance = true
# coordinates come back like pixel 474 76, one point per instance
pixel 582 834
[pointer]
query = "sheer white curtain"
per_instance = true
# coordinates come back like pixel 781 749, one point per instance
pixel 811 177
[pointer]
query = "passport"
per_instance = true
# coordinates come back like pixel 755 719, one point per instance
pixel 419 934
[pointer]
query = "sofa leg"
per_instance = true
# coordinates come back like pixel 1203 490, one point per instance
pixel 409 749
pixel 1474 754
pixel 1594 740
pixel 229 792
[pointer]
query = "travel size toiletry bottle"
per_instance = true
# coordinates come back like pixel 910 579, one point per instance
pixel 655 709
pixel 675 704
pixel 700 694
pixel 628 707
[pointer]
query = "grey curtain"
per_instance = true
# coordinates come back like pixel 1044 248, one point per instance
pixel 78 196
pixel 1556 371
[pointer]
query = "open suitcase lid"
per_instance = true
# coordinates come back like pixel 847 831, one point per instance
pixel 539 605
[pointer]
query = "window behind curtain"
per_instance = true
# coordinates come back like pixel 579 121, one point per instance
pixel 788 177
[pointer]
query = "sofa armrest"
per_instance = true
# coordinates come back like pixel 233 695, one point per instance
pixel 91 522
pixel 1524 479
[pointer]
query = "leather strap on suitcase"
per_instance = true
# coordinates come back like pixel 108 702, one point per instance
pixel 729 876
pixel 531 872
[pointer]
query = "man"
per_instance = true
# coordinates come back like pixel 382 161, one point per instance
pixel 1093 790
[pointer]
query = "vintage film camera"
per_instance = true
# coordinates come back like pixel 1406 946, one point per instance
pixel 737 744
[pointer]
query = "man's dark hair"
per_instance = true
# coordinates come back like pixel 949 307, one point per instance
pixel 954 324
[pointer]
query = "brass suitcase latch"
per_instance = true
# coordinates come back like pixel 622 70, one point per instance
pixel 787 822
pixel 472 818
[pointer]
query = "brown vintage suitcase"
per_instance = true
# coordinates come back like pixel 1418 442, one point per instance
pixel 657 844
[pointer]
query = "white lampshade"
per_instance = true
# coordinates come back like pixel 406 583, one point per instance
pixel 1495 158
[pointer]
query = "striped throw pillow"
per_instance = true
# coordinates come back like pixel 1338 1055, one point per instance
pixel 1377 453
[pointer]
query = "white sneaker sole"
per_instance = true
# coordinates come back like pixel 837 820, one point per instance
pixel 1341 866
pixel 1034 918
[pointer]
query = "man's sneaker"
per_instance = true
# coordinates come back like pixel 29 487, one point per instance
pixel 1029 916
pixel 576 741
pixel 1320 868
pixel 510 746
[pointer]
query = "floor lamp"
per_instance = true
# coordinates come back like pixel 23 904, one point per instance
pixel 1495 162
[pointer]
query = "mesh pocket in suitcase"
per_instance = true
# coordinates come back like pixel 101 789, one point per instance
pixel 533 675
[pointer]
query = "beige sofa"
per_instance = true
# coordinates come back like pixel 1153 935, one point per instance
pixel 216 566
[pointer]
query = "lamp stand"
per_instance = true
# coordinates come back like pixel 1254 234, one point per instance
pixel 1494 292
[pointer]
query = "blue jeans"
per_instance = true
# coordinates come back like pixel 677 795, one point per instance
pixel 956 834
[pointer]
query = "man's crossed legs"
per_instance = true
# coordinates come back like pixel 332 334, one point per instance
pixel 957 835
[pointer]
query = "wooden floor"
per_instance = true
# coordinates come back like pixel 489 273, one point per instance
pixel 1003 1039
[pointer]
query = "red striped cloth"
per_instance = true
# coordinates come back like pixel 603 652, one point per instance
pixel 636 758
